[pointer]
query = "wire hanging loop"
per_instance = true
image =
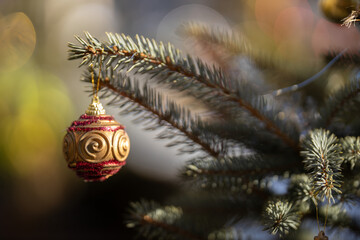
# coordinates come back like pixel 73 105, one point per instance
pixel 92 78
pixel 98 80
pixel 95 89
pixel 95 108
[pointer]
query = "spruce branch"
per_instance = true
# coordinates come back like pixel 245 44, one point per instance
pixel 230 40
pixel 219 44
pixel 158 222
pixel 340 101
pixel 269 124
pixel 146 55
pixel 281 217
pixel 249 120
pixel 351 188
pixel 322 159
pixel 230 174
pixel 249 174
pixel 245 130
pixel 350 150
pixel 236 44
pixel 226 233
pixel 150 104
pixel 302 192
pixel 231 166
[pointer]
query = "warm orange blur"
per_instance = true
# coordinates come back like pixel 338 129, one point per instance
pixel 18 39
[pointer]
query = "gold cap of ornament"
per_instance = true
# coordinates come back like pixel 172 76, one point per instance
pixel 95 107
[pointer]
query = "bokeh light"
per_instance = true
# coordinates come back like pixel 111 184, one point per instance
pixel 18 40
pixel 36 109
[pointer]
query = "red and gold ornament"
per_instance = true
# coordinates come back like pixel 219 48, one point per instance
pixel 96 146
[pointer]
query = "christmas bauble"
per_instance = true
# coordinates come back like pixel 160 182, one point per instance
pixel 337 10
pixel 96 146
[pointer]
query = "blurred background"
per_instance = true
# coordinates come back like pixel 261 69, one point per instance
pixel 41 94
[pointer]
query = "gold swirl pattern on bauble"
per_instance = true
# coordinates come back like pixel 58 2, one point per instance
pixel 94 146
pixel 121 145
pixel 69 147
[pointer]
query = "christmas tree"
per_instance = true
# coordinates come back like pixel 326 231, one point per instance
pixel 248 139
